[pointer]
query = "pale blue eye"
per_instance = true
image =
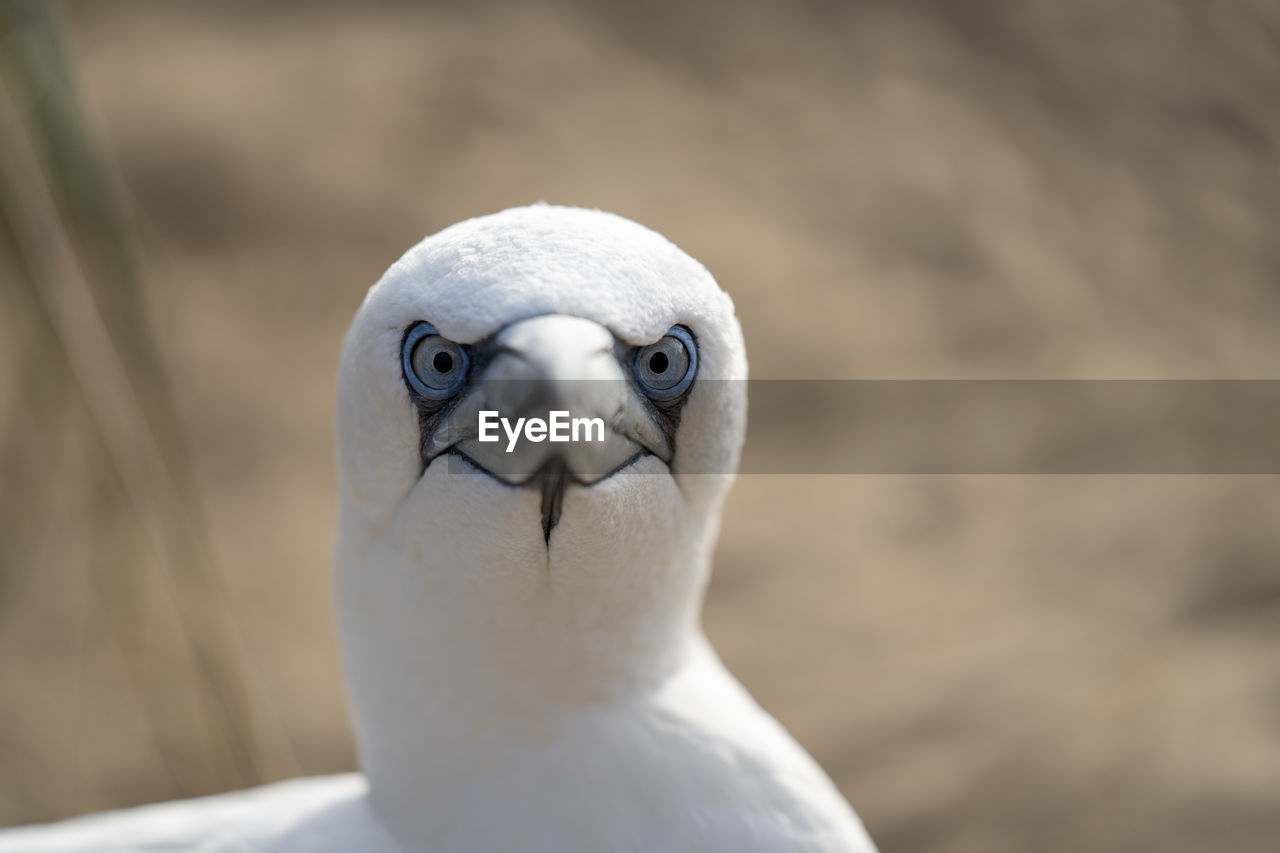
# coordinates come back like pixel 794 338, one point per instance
pixel 435 366
pixel 665 369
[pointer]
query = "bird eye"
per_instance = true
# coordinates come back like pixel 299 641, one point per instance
pixel 665 369
pixel 435 366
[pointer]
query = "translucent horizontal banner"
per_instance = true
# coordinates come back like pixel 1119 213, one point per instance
pixel 1014 427
pixel 883 427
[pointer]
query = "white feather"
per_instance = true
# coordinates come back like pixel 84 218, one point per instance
pixel 510 693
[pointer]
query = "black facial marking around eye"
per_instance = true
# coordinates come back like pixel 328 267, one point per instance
pixel 433 404
pixel 674 365
pixel 651 361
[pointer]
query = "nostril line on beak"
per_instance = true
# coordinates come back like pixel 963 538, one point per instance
pixel 616 418
pixel 512 351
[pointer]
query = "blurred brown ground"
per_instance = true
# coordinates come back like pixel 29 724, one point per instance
pixel 1044 189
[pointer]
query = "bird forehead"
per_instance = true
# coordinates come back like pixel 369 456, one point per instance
pixel 479 276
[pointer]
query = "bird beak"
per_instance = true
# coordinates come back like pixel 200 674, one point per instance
pixel 551 368
pixel 542 366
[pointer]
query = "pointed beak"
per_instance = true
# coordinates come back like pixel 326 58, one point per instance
pixel 553 398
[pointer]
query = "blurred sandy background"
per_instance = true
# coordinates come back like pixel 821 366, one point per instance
pixel 930 190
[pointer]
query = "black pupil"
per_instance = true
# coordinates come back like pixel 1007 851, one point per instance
pixel 442 362
pixel 659 363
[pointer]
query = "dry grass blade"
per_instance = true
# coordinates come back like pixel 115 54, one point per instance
pixel 98 324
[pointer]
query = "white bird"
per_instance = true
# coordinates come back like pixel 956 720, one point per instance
pixel 521 631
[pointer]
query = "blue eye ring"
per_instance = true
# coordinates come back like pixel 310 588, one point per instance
pixel 418 333
pixel 671 392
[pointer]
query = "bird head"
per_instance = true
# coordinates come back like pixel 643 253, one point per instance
pixel 500 577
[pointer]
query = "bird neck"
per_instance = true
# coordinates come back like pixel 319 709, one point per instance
pixel 466 643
